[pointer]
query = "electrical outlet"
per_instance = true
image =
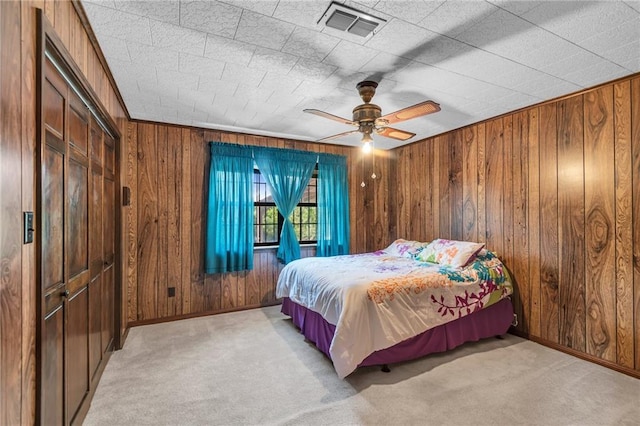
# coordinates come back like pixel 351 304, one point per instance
pixel 172 291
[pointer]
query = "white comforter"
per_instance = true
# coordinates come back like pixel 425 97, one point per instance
pixel 376 300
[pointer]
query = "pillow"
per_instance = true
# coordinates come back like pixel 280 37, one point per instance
pixel 404 248
pixel 450 252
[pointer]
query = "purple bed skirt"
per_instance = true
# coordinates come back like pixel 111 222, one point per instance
pixel 489 322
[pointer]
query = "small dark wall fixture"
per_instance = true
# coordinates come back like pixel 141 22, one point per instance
pixel 126 196
pixel 28 227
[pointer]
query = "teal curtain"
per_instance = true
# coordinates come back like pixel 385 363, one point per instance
pixel 229 237
pixel 333 206
pixel 287 173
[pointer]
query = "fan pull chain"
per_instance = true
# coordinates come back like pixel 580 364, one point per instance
pixel 373 162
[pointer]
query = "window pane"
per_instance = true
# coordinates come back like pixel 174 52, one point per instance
pixel 309 195
pixel 271 215
pixel 271 233
pixel 313 235
pixel 303 218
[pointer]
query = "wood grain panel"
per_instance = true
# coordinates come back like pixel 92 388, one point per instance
pixel 456 156
pixel 131 219
pixel 399 197
pixel 380 201
pixel 494 192
pixel 52 402
pixel 107 319
pixel 469 184
pixel 482 183
pixel 11 293
pixel 599 171
pixel 62 12
pixel 507 198
pixel 354 191
pixel 623 225
pixel 533 224
pixel 360 199
pixel 53 229
pixel 185 222
pixel 55 104
pixel 635 155
pixel 94 324
pixel 368 214
pixel 78 42
pixel 549 254
pixel 78 218
pixel 76 351
pixel 199 164
pixel 29 293
pixel 95 219
pixel 571 223
pixel 444 192
pixel 173 209
pixel 147 223
pixel 161 181
pixel 393 187
pixel 435 181
pixel 411 199
pixel 78 118
pixel 229 291
pixel 108 212
pixel 519 263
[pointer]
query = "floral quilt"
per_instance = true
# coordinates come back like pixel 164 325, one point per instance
pixel 378 299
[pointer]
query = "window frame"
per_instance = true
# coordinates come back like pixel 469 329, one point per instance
pixel 256 171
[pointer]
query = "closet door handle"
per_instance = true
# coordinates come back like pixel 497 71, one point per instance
pixel 64 293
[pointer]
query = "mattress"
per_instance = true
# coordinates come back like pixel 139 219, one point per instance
pixel 376 300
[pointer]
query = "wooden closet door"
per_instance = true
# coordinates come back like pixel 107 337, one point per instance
pixel 64 216
pixel 95 250
pixel 77 251
pixel 108 243
pixel 53 229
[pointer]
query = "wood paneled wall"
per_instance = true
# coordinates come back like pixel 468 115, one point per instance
pixel 167 169
pixel 18 31
pixel 555 191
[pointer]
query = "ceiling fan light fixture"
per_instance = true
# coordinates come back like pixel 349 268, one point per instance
pixel 367 140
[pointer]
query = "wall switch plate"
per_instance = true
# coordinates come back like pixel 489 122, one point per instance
pixel 28 227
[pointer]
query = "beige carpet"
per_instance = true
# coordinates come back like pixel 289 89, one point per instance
pixel 254 368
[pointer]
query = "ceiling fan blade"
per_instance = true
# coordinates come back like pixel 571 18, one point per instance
pixel 330 116
pixel 392 133
pixel 417 110
pixel 328 138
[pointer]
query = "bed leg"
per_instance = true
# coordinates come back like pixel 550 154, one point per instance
pixel 385 368
pixel 500 337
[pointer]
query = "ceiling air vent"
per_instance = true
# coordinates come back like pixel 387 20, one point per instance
pixel 345 19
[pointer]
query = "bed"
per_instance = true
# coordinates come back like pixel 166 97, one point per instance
pixel 403 302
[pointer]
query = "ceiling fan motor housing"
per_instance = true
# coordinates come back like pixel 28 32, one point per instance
pixel 366 112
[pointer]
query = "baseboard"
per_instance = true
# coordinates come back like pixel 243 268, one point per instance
pixel 200 314
pixel 578 354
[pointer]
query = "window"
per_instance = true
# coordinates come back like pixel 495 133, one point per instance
pixel 267 221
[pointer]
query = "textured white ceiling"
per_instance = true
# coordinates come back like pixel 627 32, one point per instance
pixel 254 65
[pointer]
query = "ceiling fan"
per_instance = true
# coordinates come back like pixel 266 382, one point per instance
pixel 368 117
